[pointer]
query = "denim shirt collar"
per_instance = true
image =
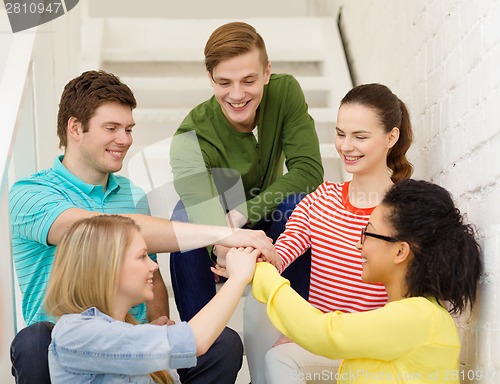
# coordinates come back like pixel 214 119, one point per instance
pixel 94 312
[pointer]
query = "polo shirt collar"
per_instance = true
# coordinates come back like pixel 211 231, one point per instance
pixel 86 188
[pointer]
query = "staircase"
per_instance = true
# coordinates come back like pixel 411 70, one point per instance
pixel 162 62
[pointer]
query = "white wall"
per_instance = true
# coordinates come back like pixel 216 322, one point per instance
pixel 196 9
pixel 442 58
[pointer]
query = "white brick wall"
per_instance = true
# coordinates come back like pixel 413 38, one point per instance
pixel 442 57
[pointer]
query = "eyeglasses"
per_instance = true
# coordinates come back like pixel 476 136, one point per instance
pixel 376 236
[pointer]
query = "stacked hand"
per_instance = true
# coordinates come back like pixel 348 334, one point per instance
pixel 239 262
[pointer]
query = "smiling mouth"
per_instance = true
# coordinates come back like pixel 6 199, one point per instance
pixel 239 105
pixel 115 153
pixel 352 158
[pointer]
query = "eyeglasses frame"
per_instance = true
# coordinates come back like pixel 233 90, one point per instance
pixel 364 233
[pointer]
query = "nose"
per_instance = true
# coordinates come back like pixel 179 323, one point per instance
pixel 153 265
pixel 346 145
pixel 359 246
pixel 123 137
pixel 237 92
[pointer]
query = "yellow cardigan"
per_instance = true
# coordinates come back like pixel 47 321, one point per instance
pixel 412 340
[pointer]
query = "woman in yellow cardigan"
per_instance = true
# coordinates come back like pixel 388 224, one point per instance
pixel 418 246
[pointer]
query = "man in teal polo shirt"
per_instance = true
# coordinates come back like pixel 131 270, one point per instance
pixel 227 157
pixel 95 128
pixel 37 201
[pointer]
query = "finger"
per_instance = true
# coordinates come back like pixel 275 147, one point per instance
pixel 219 272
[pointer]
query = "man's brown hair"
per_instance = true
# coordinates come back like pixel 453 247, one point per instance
pixel 87 92
pixel 231 40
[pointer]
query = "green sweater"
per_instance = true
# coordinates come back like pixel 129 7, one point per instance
pixel 213 163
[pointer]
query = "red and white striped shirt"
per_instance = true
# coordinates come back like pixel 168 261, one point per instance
pixel 326 222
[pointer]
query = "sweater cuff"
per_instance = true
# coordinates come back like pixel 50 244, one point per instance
pixel 266 281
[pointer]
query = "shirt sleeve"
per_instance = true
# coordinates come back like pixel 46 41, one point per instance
pixel 193 180
pixel 381 334
pixel 83 345
pixel 302 156
pixel 33 209
pixel 296 238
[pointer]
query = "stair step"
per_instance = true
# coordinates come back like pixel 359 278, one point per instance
pixel 298 39
pixel 194 69
pixel 161 115
pixel 186 92
pixel 314 83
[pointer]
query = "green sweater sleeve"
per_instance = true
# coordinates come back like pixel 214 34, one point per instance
pixel 193 180
pixel 383 334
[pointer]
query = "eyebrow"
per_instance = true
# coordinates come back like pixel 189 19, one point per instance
pixel 117 124
pixel 355 132
pixel 220 78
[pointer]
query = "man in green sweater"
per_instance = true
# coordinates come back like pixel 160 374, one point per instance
pixel 227 157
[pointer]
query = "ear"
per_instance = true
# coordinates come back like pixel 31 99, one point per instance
pixel 393 137
pixel 267 72
pixel 75 128
pixel 403 253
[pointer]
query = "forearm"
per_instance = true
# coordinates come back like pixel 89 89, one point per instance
pixel 208 324
pixel 291 314
pixel 159 306
pixel 163 235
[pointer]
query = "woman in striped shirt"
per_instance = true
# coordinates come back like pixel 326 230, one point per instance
pixel 373 135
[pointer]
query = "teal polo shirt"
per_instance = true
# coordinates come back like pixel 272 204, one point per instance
pixel 36 202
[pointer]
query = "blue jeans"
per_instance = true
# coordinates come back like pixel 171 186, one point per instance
pixel 219 365
pixel 29 354
pixel 193 282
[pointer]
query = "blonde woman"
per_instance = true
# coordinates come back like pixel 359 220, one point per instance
pixel 101 270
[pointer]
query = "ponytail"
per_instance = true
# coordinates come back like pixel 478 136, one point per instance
pixel 396 159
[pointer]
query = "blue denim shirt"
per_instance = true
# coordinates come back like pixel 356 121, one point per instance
pixel 92 347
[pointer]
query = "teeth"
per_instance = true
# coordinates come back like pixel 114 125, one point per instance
pixel 363 259
pixel 115 153
pixel 351 158
pixel 238 105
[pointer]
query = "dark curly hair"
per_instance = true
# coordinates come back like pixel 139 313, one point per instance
pixel 447 258
pixel 392 112
pixel 87 92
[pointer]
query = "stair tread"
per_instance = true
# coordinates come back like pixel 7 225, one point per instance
pixel 320 115
pixel 129 39
pixel 195 83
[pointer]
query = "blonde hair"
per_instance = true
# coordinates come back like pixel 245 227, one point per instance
pixel 86 267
